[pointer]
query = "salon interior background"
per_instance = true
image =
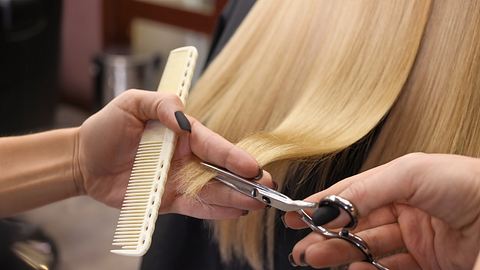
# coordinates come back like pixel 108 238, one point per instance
pixel 60 61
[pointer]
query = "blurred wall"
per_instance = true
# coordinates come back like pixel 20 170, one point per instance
pixel 81 40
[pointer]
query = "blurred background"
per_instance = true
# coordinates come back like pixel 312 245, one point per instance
pixel 61 61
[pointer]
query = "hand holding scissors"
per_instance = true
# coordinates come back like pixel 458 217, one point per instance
pixel 420 211
pixel 282 202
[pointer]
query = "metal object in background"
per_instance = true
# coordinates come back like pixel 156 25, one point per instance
pixel 24 246
pixel 115 73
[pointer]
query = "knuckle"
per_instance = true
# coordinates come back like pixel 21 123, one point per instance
pixel 410 164
pixel 410 159
pixel 357 191
pixel 129 94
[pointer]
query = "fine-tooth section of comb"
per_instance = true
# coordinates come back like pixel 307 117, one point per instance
pixel 145 188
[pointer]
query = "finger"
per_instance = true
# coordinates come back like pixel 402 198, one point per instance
pixel 197 209
pixel 377 218
pixel 213 148
pixel 401 261
pixel 217 193
pixel 149 105
pixel 332 252
pixel 292 219
pixel 424 181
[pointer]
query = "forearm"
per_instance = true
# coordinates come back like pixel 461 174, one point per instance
pixel 36 170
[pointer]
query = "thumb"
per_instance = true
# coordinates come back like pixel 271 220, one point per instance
pixel 149 105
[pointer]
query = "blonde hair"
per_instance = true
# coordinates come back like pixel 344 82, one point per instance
pixel 308 79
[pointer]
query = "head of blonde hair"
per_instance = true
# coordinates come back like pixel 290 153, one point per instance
pixel 305 81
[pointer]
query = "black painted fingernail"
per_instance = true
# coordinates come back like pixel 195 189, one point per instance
pixel 259 175
pixel 324 214
pixel 302 259
pixel 290 259
pixel 282 218
pixel 245 212
pixel 182 121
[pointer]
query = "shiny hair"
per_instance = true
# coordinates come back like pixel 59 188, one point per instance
pixel 305 81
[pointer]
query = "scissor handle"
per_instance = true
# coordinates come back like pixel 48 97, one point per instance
pixel 344 233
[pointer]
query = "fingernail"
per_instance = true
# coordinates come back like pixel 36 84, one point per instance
pixel 290 259
pixel 259 175
pixel 302 259
pixel 268 206
pixel 245 212
pixel 324 214
pixel 182 121
pixel 282 218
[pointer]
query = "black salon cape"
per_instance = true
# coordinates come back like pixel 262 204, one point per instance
pixel 185 243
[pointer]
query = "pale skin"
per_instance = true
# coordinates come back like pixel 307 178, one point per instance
pixel 421 211
pixel 96 158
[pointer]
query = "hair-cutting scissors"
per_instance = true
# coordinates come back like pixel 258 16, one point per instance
pixel 282 202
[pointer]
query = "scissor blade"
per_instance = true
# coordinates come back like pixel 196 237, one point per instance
pixel 258 191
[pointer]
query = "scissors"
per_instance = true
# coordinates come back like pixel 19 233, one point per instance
pixel 282 202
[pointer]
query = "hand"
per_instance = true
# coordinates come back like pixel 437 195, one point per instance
pixel 107 144
pixel 420 211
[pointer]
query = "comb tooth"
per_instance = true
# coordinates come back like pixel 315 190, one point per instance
pixel 130 215
pixel 144 169
pixel 146 158
pixel 140 180
pixel 123 242
pixel 149 151
pixel 135 205
pixel 131 233
pixel 128 226
pixel 142 195
pixel 140 172
pixel 155 155
pixel 151 142
pixel 129 221
pixel 137 198
pixel 126 235
pixel 142 189
pixel 126 230
pixel 144 163
pixel 142 175
pixel 130 244
pixel 140 185
pixel 134 193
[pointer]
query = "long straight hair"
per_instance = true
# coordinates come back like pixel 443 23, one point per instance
pixel 306 80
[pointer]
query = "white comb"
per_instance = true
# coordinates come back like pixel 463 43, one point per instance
pixel 147 181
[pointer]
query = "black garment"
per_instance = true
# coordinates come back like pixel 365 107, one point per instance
pixel 185 243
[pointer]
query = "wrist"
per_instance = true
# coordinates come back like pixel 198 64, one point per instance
pixel 77 175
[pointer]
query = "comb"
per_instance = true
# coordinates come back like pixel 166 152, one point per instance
pixel 145 188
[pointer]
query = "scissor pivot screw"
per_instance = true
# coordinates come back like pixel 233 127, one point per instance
pixel 265 200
